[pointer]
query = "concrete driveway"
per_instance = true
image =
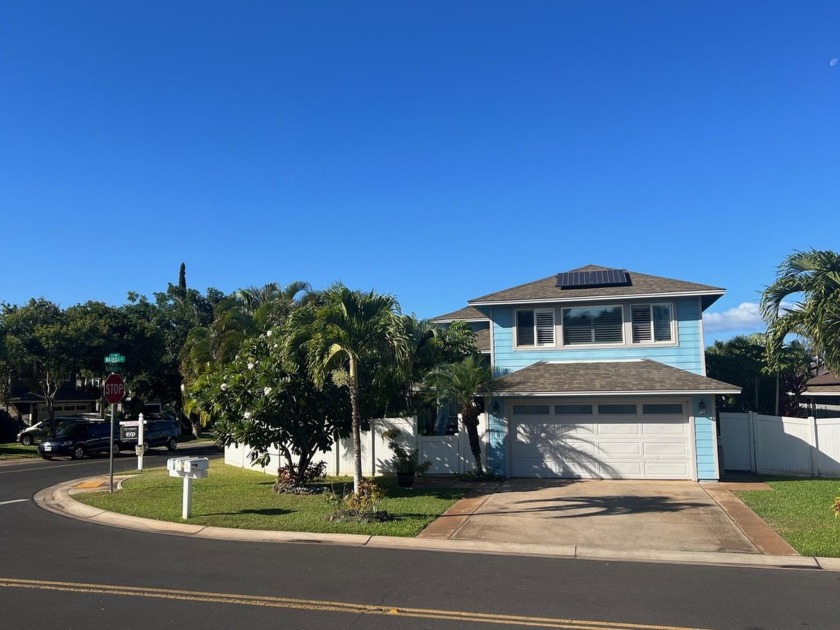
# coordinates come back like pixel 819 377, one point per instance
pixel 602 514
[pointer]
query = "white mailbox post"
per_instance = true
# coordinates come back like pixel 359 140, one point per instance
pixel 188 468
pixel 141 440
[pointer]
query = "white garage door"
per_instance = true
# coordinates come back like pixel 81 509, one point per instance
pixel 623 440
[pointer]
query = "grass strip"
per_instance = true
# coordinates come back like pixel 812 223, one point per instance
pixel 800 510
pixel 233 497
pixel 13 450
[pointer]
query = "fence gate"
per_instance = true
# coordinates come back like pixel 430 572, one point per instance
pixel 736 439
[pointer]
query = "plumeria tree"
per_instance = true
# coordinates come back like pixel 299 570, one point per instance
pixel 266 398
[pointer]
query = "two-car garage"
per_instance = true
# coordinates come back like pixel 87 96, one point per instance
pixel 633 439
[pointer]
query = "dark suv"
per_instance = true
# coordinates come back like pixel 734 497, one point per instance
pixel 155 433
pixel 79 439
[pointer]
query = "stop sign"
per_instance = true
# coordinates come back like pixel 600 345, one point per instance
pixel 114 388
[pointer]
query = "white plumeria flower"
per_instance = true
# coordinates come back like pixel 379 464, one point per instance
pixel 268 334
pixel 250 366
pixel 267 391
pixel 182 387
pixel 224 387
pixel 247 415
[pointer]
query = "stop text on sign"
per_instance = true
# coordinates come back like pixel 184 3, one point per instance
pixel 114 388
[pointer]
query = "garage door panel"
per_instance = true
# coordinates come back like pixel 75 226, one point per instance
pixel 666 470
pixel 666 448
pixel 626 428
pixel 655 446
pixel 619 448
pixel 625 469
pixel 662 428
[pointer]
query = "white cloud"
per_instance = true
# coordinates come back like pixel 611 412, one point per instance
pixel 745 316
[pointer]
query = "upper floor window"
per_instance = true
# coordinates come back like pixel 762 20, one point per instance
pixel 651 323
pixel 593 325
pixel 535 327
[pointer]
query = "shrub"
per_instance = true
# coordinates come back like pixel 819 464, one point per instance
pixel 363 506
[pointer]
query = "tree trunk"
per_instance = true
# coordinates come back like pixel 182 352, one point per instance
pixel 470 419
pixel 353 385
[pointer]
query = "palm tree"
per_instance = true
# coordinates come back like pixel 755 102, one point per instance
pixel 271 304
pixel 343 330
pixel 210 347
pixel 463 383
pixel 814 277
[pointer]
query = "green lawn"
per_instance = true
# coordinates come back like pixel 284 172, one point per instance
pixel 13 450
pixel 232 497
pixel 800 510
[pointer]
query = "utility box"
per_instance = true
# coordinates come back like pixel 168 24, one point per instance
pixel 188 467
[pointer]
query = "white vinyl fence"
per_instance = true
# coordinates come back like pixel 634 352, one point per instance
pixel 778 445
pixel 448 454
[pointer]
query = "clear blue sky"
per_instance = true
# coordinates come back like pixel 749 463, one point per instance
pixel 434 150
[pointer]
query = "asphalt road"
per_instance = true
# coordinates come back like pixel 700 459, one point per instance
pixel 57 572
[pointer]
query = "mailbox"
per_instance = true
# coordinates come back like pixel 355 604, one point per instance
pixel 188 467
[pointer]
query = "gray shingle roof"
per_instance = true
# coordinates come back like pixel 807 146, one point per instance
pixel 468 313
pixel 607 377
pixel 823 385
pixel 640 285
pixel 482 340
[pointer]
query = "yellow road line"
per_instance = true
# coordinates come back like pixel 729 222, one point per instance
pixel 324 606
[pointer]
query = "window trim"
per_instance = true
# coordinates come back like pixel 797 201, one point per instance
pixel 673 341
pixel 535 345
pixel 586 346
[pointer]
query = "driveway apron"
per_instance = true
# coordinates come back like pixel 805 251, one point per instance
pixel 605 514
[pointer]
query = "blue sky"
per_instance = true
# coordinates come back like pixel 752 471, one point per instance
pixel 438 151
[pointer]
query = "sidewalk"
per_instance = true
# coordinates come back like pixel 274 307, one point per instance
pixel 59 499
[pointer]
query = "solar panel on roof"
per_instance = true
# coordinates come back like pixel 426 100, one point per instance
pixel 590 279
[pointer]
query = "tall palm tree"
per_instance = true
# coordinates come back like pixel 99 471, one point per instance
pixel 271 304
pixel 343 330
pixel 210 347
pixel 814 278
pixel 463 383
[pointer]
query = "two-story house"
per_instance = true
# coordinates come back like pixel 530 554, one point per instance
pixel 599 373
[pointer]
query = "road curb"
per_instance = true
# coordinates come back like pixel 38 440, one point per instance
pixel 58 499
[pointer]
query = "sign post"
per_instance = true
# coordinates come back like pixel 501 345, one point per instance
pixel 141 441
pixel 114 389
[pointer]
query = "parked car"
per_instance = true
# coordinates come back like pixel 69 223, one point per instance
pixel 78 439
pixel 155 433
pixel 40 430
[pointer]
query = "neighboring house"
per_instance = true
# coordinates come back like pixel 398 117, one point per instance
pixel 70 399
pixel 823 395
pixel 476 320
pixel 599 373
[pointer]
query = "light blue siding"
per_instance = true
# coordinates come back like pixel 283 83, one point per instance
pixel 687 355
pixel 705 444
pixel 498 441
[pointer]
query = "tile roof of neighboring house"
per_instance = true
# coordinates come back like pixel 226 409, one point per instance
pixel 466 314
pixel 641 285
pixel 607 377
pixel 823 385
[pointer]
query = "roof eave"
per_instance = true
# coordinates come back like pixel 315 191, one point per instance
pixel 601 298
pixel 653 392
pixel 459 319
